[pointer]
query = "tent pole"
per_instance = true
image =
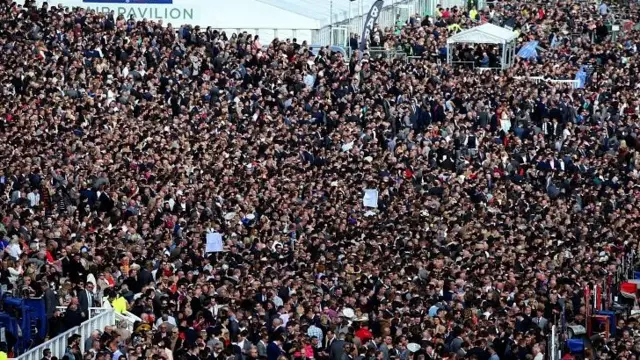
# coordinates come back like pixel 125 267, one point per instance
pixel 331 20
pixel 349 35
pixel 507 53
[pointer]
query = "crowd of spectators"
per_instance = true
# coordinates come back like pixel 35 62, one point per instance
pixel 125 142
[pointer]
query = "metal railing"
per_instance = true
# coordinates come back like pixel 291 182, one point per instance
pixel 539 79
pixel 384 53
pixel 554 348
pixel 126 320
pixel 58 344
pixel 574 83
pixel 267 35
pixel 390 15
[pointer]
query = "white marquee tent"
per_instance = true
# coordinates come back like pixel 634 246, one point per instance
pixel 487 34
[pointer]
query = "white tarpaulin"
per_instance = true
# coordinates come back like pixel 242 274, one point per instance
pixel 483 34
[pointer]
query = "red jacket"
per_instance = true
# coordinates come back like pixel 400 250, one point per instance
pixel 364 335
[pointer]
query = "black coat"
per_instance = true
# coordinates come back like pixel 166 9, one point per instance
pixel 145 277
pixel 72 318
pixel 77 272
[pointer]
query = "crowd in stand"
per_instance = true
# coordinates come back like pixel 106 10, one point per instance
pixel 126 143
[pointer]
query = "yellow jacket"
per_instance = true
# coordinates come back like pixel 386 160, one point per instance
pixel 454 28
pixel 119 305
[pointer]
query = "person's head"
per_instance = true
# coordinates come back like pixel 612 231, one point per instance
pixel 74 341
pixel 388 340
pixel 253 352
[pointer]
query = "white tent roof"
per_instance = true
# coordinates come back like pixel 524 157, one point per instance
pixel 483 34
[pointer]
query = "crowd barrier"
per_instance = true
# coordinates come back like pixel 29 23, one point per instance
pixel 554 350
pixel 392 13
pixel 58 344
pixel 125 320
pixel 601 301
pixel 539 79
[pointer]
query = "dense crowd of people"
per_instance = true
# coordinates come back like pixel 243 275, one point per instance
pixel 128 144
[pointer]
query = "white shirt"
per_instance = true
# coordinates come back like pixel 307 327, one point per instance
pixel 604 9
pixel 14 250
pixel 106 303
pixel 214 309
pixel 89 298
pixel 284 318
pixel 34 199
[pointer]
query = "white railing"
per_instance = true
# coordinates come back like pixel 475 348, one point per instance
pixel 128 318
pixel 554 350
pixel 58 344
pixel 399 10
pixel 574 83
pixel 93 311
pixel 267 35
pixel 539 79
pixel 98 322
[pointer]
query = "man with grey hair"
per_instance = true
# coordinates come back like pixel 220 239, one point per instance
pixel 95 336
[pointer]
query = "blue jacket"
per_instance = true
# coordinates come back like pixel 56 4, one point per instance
pixel 273 351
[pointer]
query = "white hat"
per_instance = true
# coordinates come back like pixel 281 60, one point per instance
pixel 250 216
pixel 413 347
pixel 348 313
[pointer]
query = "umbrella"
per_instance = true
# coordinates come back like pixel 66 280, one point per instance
pixel 528 50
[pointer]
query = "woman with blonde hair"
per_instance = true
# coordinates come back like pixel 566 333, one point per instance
pixel 16 270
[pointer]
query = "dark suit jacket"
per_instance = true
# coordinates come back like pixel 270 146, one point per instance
pixel 83 303
pixel 77 272
pixel 234 329
pixel 50 302
pixel 259 299
pixel 262 349
pixel 145 277
pixel 273 351
pixel 241 352
pixel 72 318
pixel 336 350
